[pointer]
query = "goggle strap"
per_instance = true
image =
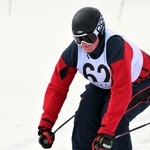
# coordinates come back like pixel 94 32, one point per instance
pixel 99 26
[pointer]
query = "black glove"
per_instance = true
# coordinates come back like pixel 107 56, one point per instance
pixel 46 138
pixel 103 142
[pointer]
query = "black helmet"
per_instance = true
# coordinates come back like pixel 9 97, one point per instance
pixel 88 20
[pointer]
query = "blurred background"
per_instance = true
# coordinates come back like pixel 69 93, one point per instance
pixel 33 34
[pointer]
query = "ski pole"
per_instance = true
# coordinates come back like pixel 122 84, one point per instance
pixel 46 141
pixel 127 132
pixel 63 124
pixel 117 136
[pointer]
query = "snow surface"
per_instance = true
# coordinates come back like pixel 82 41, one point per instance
pixel 33 34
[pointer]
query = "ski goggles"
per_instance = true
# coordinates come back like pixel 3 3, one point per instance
pixel 88 38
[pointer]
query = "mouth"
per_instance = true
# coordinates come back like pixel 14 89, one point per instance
pixel 88 50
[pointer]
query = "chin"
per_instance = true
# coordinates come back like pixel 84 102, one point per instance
pixel 89 51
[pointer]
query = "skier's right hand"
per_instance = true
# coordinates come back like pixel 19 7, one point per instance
pixel 46 138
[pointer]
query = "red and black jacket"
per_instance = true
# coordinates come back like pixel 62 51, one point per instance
pixel 119 56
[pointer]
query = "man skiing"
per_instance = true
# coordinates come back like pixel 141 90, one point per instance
pixel 119 88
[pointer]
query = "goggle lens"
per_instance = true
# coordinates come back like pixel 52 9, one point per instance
pixel 88 38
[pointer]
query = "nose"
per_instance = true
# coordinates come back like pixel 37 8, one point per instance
pixel 85 44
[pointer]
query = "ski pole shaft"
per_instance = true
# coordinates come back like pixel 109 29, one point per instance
pixel 63 124
pixel 117 136
pixel 46 141
pixel 127 132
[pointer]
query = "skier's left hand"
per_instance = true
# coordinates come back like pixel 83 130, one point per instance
pixel 103 142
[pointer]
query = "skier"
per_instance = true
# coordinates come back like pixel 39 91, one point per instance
pixel 119 88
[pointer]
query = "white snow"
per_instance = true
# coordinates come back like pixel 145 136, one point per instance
pixel 33 34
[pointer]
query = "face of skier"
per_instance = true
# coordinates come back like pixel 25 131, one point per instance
pixel 88 47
